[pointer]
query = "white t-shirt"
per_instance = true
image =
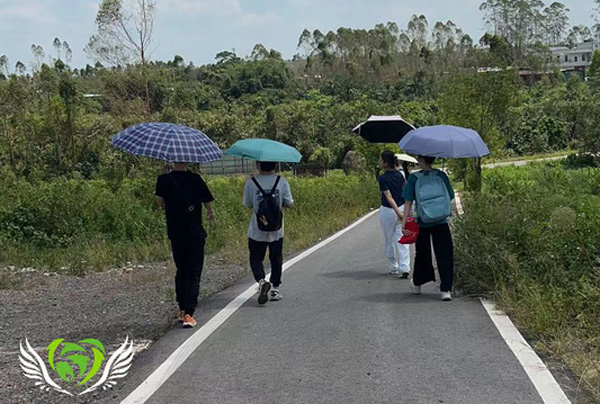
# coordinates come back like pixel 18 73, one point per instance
pixel 253 197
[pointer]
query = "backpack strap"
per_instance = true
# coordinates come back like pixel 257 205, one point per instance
pixel 421 174
pixel 262 191
pixel 275 186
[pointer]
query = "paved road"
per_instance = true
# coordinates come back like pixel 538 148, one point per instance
pixel 348 333
pixel 523 162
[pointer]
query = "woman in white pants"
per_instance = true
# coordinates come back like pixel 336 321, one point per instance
pixel 391 185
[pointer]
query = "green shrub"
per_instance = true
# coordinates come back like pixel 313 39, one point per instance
pixel 84 225
pixel 531 240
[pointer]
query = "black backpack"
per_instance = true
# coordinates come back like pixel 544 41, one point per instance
pixel 269 215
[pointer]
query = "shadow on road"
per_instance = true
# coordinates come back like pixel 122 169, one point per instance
pixel 401 297
pixel 358 275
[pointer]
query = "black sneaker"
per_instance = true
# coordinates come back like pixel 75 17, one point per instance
pixel 263 292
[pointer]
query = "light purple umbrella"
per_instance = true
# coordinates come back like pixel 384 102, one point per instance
pixel 444 141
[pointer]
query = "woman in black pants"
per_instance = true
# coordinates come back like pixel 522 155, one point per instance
pixel 438 231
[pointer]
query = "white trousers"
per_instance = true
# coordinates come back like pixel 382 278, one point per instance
pixel 398 255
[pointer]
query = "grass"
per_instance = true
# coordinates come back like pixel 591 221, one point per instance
pixel 531 240
pixel 77 226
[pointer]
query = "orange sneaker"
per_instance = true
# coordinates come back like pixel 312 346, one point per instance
pixel 188 321
pixel 181 315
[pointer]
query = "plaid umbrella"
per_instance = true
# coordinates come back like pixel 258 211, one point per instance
pixel 168 142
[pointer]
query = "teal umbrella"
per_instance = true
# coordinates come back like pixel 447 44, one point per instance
pixel 265 150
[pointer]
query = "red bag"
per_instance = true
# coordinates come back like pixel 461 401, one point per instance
pixel 413 227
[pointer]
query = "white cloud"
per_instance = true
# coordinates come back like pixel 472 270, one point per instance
pixel 194 7
pixel 25 10
pixel 252 20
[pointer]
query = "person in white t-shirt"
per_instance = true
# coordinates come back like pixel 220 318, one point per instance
pixel 266 184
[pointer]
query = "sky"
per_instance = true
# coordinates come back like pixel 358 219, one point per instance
pixel 199 29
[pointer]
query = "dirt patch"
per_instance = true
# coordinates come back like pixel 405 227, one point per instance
pixel 136 301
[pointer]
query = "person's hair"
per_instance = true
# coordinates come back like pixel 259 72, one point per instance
pixel 406 169
pixel 267 165
pixel 428 159
pixel 389 158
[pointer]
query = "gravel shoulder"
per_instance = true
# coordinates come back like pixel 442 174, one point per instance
pixel 136 301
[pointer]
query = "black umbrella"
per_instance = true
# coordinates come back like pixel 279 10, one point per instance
pixel 383 129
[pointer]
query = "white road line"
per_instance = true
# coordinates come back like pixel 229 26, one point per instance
pixel 149 386
pixel 547 387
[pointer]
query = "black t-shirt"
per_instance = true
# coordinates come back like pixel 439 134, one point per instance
pixel 180 189
pixel 392 181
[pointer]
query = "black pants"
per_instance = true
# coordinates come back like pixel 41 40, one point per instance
pixel 258 249
pixel 444 252
pixel 189 260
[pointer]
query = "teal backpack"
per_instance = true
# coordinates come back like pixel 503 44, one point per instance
pixel 433 199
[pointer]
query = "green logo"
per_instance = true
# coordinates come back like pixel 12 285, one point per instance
pixel 76 354
pixel 76 364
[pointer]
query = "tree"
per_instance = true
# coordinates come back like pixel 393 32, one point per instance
pixel 58 46
pixel 259 52
pixel 521 22
pixel 68 52
pixel 578 34
pixel 499 48
pixel 593 71
pixel 322 156
pixel 227 57
pixel 418 30
pixel 556 22
pixel 4 65
pixel 125 34
pixel 177 61
pixel 20 68
pixel 306 42
pixel 480 101
pixel 597 17
pixel 125 30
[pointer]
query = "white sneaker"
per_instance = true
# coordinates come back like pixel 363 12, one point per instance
pixel 446 296
pixel 416 290
pixel 275 295
pixel 394 272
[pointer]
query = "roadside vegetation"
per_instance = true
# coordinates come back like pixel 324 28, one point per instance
pixel 73 226
pixel 531 240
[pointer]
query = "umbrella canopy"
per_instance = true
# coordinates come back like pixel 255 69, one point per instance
pixel 168 142
pixel 383 129
pixel 406 157
pixel 265 150
pixel 444 141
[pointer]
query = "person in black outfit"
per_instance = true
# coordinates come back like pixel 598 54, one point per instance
pixel 182 193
